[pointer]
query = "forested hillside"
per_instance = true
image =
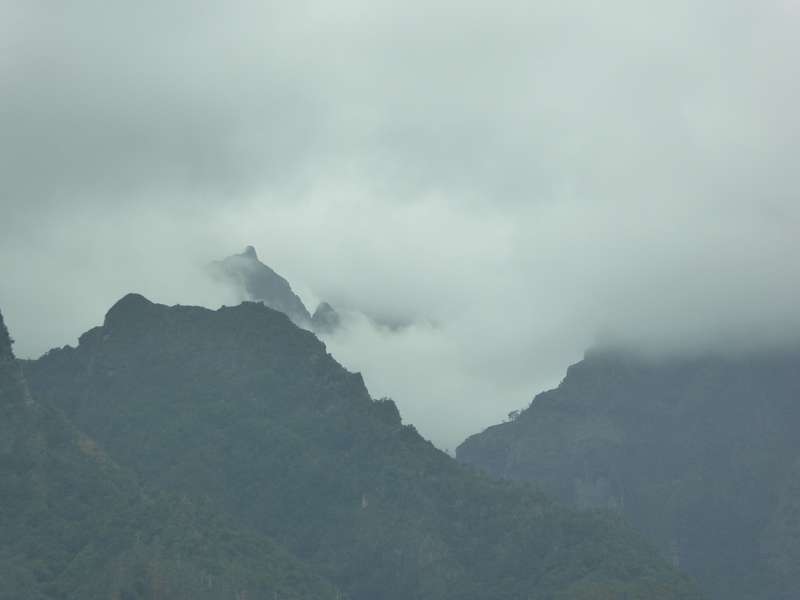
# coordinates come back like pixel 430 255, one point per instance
pixel 243 409
pixel 701 455
pixel 75 525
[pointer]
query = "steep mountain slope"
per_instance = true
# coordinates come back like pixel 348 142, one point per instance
pixel 258 282
pixel 702 456
pixel 74 525
pixel 242 408
pixel 325 319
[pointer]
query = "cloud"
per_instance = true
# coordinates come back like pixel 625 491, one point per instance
pixel 520 181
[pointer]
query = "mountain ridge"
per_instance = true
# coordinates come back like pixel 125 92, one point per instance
pixel 77 525
pixel 242 407
pixel 256 281
pixel 697 453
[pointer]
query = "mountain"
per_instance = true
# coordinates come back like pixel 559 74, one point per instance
pixel 74 525
pixel 241 408
pixel 700 455
pixel 256 281
pixel 325 319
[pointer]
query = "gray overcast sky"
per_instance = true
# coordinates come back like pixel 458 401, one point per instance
pixel 521 180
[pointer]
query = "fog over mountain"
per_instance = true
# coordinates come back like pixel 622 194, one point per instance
pixel 517 182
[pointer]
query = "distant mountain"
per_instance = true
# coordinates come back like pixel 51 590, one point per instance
pixel 74 525
pixel 241 408
pixel 256 281
pixel 702 456
pixel 325 319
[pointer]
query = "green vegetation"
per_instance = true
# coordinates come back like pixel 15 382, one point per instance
pixel 75 525
pixel 240 408
pixel 702 456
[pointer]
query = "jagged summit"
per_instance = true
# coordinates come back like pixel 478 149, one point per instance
pixel 325 319
pixel 256 281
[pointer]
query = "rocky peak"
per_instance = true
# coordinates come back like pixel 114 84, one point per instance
pixel 129 304
pixel 129 314
pixel 257 282
pixel 325 319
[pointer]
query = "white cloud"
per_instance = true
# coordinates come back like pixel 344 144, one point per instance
pixel 521 180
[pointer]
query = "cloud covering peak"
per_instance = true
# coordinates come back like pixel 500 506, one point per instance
pixel 520 181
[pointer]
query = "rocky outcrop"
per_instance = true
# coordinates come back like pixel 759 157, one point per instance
pixel 257 282
pixel 325 319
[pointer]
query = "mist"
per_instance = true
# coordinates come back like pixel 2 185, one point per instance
pixel 517 183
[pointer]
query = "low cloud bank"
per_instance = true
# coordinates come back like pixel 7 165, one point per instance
pixel 514 183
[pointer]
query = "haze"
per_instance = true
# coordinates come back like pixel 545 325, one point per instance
pixel 516 181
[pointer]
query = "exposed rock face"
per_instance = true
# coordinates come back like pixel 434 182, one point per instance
pixel 325 319
pixel 260 283
pixel 700 455
pixel 241 408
